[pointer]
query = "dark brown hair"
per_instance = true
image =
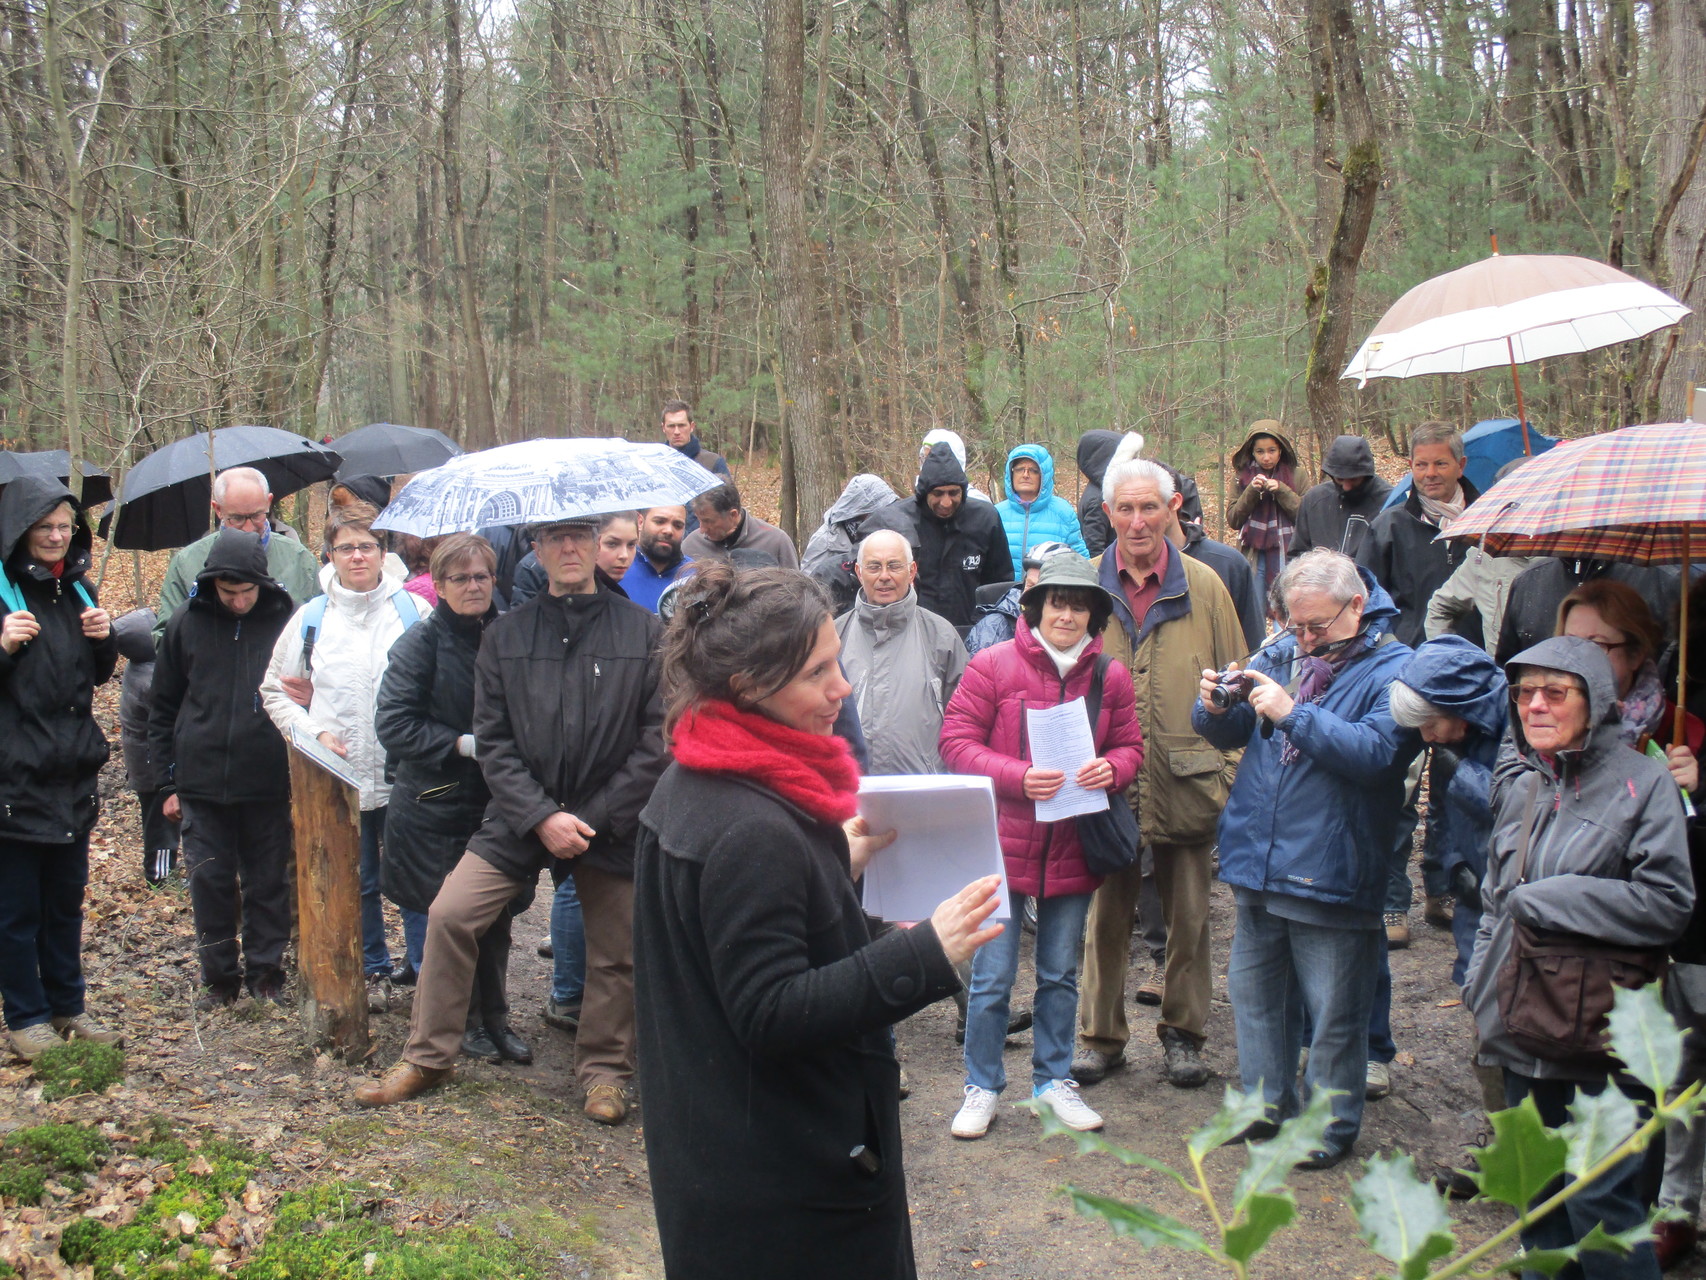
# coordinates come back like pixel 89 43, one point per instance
pixel 757 623
pixel 676 406
pixel 1622 608
pixel 1101 608
pixel 353 515
pixel 458 549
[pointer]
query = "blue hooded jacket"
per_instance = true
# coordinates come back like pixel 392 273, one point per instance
pixel 1321 827
pixel 1047 517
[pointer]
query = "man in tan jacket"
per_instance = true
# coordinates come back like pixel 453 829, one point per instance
pixel 1175 619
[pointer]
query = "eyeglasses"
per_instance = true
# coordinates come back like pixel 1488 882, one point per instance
pixel 464 579
pixel 355 548
pixel 232 520
pixel 1556 695
pixel 54 530
pixel 1316 630
pixel 894 567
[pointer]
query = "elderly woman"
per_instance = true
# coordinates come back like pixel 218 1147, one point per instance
pixel 1588 840
pixel 1054 657
pixel 1304 837
pixel 425 721
pixel 56 645
pixel 772 1091
pixel 324 678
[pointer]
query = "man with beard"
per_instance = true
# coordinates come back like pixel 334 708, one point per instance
pixel 660 561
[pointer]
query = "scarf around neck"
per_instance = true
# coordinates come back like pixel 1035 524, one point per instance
pixel 1267 526
pixel 1442 513
pixel 1644 706
pixel 814 771
pixel 1318 674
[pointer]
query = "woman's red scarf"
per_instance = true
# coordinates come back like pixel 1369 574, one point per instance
pixel 815 771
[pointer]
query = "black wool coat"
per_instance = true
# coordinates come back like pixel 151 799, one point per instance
pixel 438 797
pixel 763 1009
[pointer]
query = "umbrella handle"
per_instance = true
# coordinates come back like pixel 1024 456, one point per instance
pixel 1521 413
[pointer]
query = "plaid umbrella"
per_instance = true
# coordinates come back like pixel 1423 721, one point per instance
pixel 1637 495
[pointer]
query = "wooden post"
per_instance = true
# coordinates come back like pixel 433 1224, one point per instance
pixel 326 813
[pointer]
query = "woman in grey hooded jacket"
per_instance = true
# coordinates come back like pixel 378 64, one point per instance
pixel 1607 860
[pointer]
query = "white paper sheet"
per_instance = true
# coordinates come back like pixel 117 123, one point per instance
pixel 947 839
pixel 1061 739
pixel 316 751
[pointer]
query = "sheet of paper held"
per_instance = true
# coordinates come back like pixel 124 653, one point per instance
pixel 1060 739
pixel 946 839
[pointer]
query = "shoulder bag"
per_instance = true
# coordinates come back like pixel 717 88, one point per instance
pixel 1109 839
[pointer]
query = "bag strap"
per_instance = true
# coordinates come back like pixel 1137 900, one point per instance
pixel 13 598
pixel 1527 829
pixel 1093 696
pixel 312 616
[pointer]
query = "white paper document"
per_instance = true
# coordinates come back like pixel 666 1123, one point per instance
pixel 1061 739
pixel 330 761
pixel 946 839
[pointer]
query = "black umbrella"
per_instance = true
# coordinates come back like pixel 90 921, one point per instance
pixel 390 449
pixel 55 464
pixel 164 501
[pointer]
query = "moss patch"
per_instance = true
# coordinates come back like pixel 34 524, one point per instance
pixel 78 1066
pixel 29 1157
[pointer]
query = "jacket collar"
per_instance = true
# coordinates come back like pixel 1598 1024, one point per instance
pixel 1173 602
pixel 362 603
pixel 886 621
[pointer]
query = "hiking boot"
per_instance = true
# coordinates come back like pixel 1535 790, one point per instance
pixel 216 997
pixel 378 992
pixel 80 1026
pixel 399 1084
pixel 477 1042
pixel 1061 1097
pixel 1377 1081
pixel 1091 1066
pixel 1323 1158
pixel 1436 910
pixel 511 1046
pixel 975 1113
pixel 1184 1066
pixel 1458 1184
pixel 269 987
pixel 407 976
pixel 1397 930
pixel 564 1017
pixel 1152 988
pixel 905 1085
pixel 29 1043
pixel 546 950
pixel 606 1103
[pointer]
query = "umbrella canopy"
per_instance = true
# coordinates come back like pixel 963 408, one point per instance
pixel 1510 309
pixel 55 464
pixel 538 481
pixel 164 499
pixel 390 449
pixel 1487 446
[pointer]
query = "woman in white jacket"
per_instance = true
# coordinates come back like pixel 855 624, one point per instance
pixel 324 676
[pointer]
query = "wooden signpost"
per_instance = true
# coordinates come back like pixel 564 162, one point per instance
pixel 326 811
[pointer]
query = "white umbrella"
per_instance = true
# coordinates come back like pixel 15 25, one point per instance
pixel 539 481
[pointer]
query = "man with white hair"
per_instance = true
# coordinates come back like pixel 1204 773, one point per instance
pixel 242 499
pixel 1174 615
pixel 903 661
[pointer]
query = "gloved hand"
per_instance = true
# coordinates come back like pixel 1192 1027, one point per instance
pixel 1442 770
pixel 1466 886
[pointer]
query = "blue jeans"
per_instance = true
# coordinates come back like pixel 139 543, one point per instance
pixel 41 930
pixel 1060 930
pixel 1380 1046
pixel 375 956
pixel 1282 971
pixel 414 937
pixel 568 945
pixel 1614 1200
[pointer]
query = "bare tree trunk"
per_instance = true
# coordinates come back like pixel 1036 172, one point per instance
pixel 482 431
pixel 70 380
pixel 1677 258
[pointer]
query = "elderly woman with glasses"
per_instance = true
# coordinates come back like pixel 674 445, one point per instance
pixel 1589 841
pixel 1304 836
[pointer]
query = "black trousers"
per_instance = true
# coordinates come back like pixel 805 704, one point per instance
pixel 237 860
pixel 41 930
pixel 159 837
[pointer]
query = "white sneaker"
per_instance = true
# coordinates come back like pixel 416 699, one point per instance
pixel 1061 1097
pixel 1377 1081
pixel 975 1113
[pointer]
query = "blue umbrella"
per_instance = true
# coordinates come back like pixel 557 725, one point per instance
pixel 1487 446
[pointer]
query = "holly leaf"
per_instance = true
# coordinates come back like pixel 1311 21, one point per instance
pixel 1522 1158
pixel 1262 1216
pixel 1617 1243
pixel 1238 1111
pixel 1402 1218
pixel 1548 1262
pixel 1273 1160
pixel 1089 1143
pixel 1645 1038
pixel 1148 1227
pixel 1599 1123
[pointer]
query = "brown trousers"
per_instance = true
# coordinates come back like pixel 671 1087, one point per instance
pixel 1182 874
pixel 474 895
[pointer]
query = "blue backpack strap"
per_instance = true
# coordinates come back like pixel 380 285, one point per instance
pixel 313 614
pixel 83 590
pixel 407 608
pixel 10 596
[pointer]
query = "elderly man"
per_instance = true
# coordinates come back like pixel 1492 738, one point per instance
pixel 568 730
pixel 959 543
pixel 1337 513
pixel 725 527
pixel 228 777
pixel 242 499
pixel 903 661
pixel 1174 614
pixel 1304 837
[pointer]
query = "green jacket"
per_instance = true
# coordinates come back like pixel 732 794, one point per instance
pixel 291 565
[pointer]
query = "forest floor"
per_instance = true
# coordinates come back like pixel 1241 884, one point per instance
pixel 505 1150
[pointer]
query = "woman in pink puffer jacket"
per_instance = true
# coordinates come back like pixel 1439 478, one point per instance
pixel 1052 659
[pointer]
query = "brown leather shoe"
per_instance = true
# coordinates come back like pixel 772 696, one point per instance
pixel 1153 988
pixel 1437 910
pixel 606 1103
pixel 399 1084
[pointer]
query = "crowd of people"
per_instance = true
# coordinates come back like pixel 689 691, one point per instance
pixel 670 710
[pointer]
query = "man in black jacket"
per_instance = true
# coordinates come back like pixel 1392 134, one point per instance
pixel 1350 497
pixel 568 730
pixel 958 543
pixel 228 778
pixel 1095 451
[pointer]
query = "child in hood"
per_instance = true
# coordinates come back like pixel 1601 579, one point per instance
pixel 1266 506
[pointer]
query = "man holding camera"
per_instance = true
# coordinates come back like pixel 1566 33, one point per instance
pixel 1304 837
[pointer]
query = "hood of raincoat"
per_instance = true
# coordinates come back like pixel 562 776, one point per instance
pixel 29 498
pixel 1582 658
pixel 239 556
pixel 940 466
pixel 1348 458
pixel 1459 678
pixel 1095 451
pixel 941 435
pixel 863 495
pixel 1245 455
pixel 1039 455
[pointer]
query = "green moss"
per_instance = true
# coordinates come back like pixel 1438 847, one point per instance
pixel 78 1066
pixel 29 1157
